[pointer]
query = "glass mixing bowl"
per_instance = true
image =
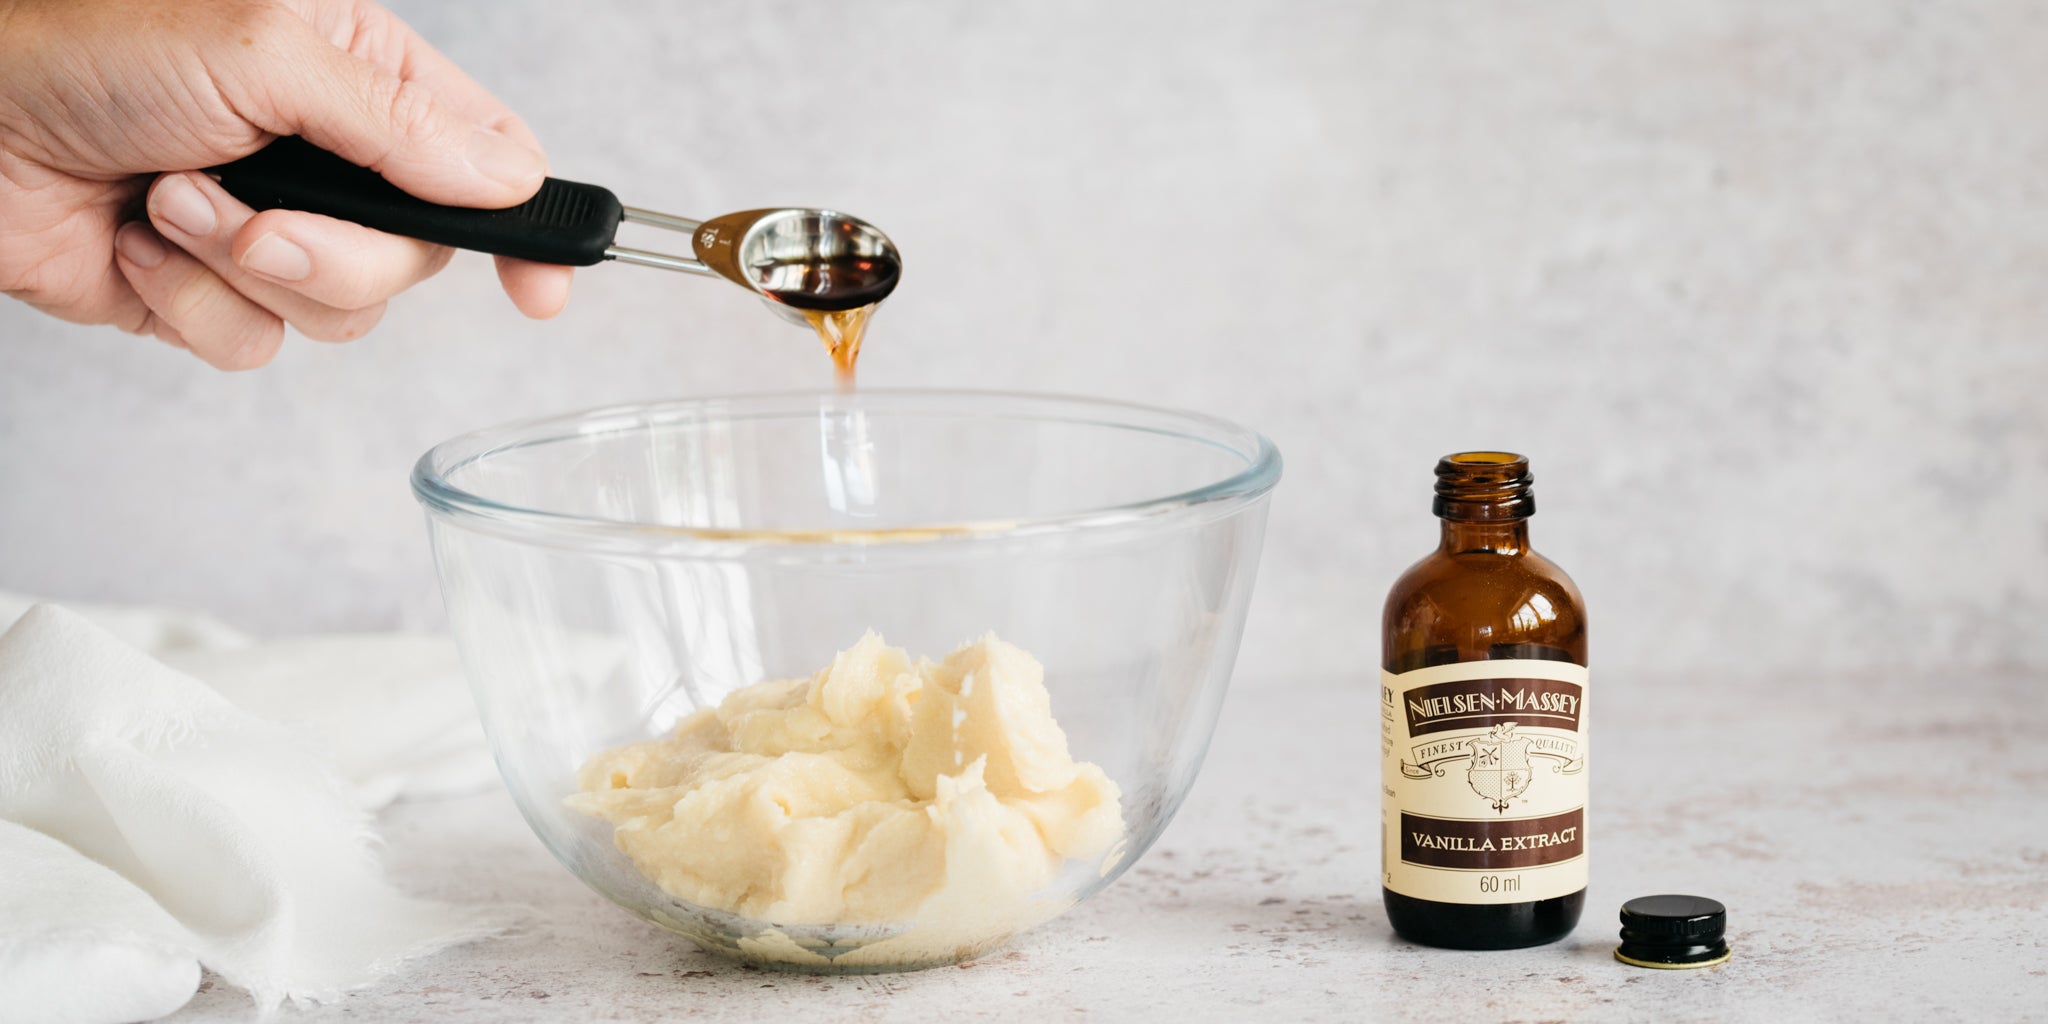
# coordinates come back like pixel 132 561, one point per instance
pixel 609 573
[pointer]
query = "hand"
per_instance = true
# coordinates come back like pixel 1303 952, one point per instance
pixel 97 96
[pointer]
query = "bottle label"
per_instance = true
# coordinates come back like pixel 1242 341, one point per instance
pixel 1483 781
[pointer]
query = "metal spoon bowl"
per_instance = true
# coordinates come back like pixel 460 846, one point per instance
pixel 797 258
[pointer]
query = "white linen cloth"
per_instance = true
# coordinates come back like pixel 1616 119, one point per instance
pixel 151 823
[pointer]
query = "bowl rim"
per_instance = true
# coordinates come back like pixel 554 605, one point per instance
pixel 432 488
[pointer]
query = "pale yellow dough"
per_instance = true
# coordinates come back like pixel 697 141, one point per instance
pixel 879 791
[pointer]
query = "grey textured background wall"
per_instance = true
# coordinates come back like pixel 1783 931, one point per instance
pixel 1762 288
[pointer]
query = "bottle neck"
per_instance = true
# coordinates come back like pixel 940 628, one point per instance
pixel 1510 537
pixel 1485 501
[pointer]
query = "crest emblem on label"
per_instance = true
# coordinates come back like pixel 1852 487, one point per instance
pixel 1499 769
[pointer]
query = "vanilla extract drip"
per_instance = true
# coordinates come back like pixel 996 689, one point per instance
pixel 837 295
pixel 841 331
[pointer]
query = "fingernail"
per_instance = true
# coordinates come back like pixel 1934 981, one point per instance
pixel 139 245
pixel 276 257
pixel 178 202
pixel 501 159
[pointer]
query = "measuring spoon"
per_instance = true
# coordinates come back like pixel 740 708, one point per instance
pixel 796 258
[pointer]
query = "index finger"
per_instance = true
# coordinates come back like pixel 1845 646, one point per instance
pixel 377 36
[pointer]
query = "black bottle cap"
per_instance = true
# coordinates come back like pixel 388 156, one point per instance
pixel 1672 931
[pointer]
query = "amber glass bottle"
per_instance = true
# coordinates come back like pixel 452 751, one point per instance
pixel 1483 716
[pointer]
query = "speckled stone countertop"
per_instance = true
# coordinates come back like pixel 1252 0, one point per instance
pixel 1881 843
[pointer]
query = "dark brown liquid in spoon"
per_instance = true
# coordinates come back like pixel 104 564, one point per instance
pixel 833 284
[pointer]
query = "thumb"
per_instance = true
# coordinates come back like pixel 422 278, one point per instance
pixel 392 125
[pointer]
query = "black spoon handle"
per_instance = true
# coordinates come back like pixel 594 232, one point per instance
pixel 566 222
